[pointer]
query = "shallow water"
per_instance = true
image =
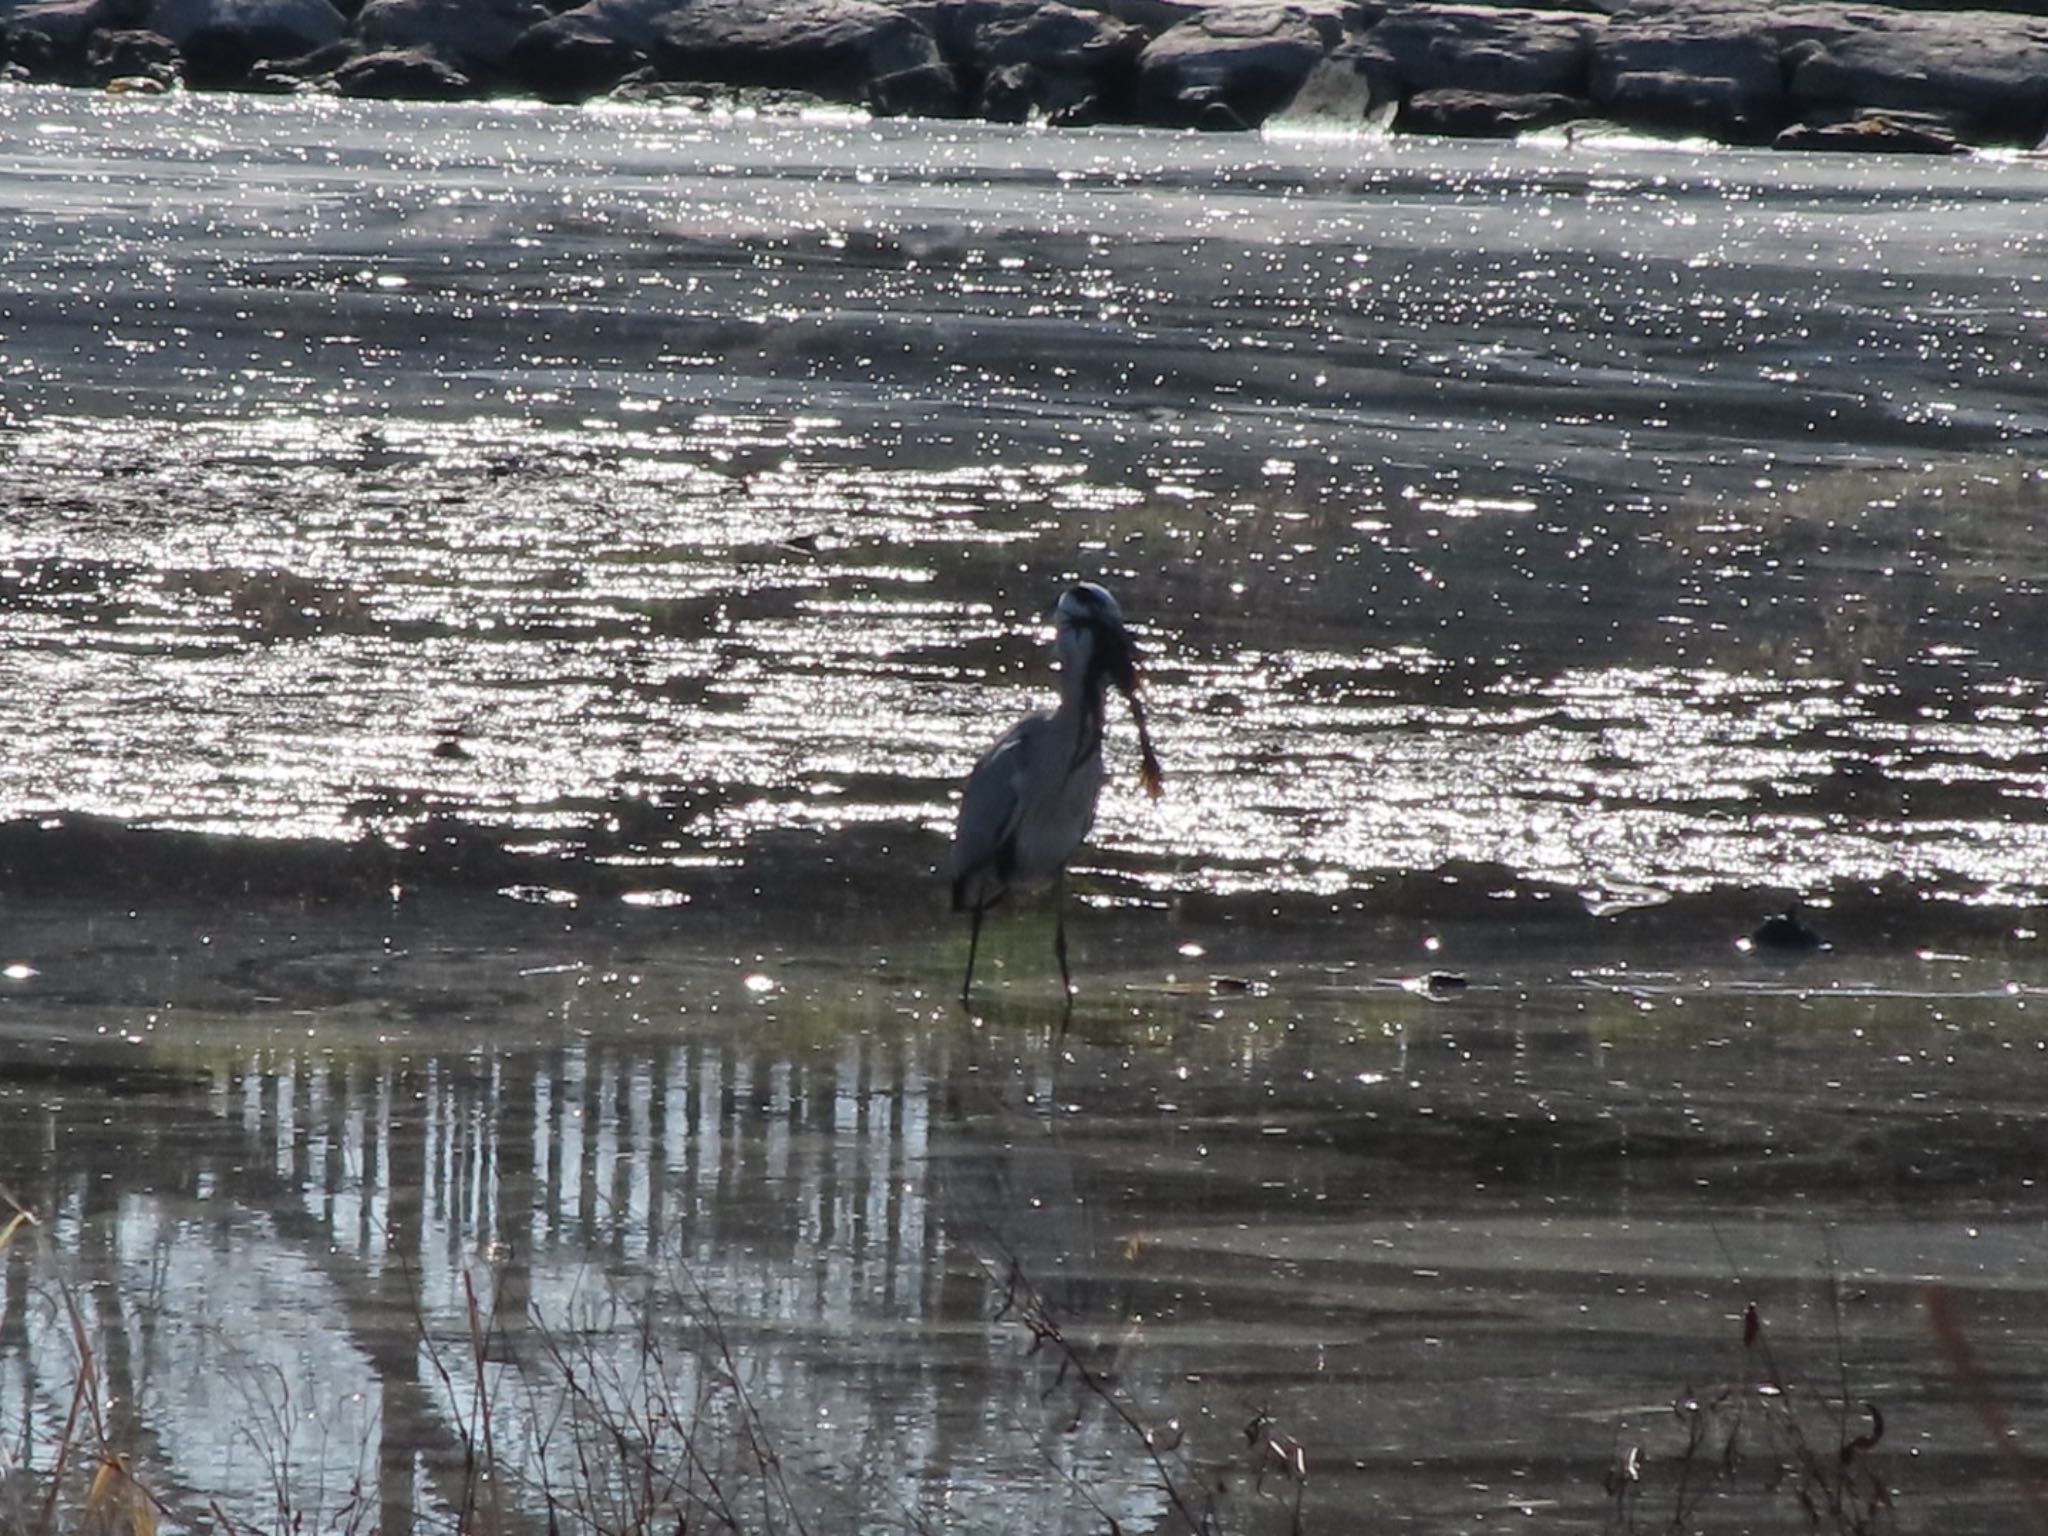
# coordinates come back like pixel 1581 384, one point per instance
pixel 641 485
pixel 565 563
pixel 1462 1253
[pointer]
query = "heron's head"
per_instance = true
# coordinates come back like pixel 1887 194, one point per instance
pixel 1092 635
pixel 1094 644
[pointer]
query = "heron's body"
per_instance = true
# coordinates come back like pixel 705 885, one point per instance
pixel 1031 799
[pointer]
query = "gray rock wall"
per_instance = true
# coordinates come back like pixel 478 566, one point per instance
pixel 1791 72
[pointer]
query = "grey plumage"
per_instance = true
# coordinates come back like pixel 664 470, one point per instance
pixel 1031 799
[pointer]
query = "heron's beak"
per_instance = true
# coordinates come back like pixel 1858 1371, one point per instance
pixel 1119 657
pixel 1120 663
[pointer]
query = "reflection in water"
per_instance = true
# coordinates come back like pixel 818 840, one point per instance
pixel 1450 1250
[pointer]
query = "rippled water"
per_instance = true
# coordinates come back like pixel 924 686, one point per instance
pixel 1550 558
pixel 1638 521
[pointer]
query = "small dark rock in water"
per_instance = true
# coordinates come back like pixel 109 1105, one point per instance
pixel 1437 985
pixel 1786 933
pixel 452 750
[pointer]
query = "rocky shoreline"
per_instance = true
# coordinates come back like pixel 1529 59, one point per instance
pixel 1789 73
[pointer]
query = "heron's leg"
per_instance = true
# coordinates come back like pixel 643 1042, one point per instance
pixel 973 944
pixel 1059 935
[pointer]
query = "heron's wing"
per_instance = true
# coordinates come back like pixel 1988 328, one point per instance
pixel 992 805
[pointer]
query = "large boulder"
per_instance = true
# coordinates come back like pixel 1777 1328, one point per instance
pixel 1745 68
pixel 1494 49
pixel 1052 36
pixel 1231 67
pixel 67 23
pixel 1694 70
pixel 469 34
pixel 48 39
pixel 1018 58
pixel 1345 91
pixel 586 51
pixel 1991 67
pixel 223 39
pixel 845 50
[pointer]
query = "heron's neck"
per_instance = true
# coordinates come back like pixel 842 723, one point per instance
pixel 1081 678
pixel 1081 689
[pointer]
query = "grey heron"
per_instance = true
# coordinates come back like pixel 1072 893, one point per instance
pixel 1031 798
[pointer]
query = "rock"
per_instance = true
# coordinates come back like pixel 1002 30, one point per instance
pixel 637 22
pixel 132 56
pixel 48 39
pixel 1904 133
pixel 1786 933
pixel 1345 90
pixel 1016 59
pixel 572 57
pixel 928 90
pixel 292 26
pixel 985 35
pixel 1489 114
pixel 1152 17
pixel 1481 48
pixel 646 89
pixel 306 71
pixel 1230 67
pixel 1016 93
pixel 408 74
pixel 842 49
pixel 1710 72
pixel 223 39
pixel 470 34
pixel 270 80
pixel 1989 66
pixel 1052 34
pixel 67 23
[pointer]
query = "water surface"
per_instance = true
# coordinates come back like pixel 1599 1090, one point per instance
pixel 496 604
